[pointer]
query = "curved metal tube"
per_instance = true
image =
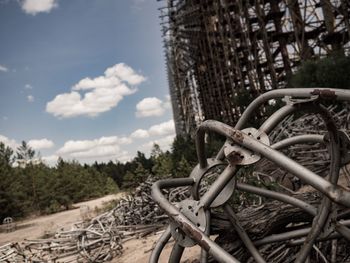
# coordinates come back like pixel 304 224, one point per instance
pixel 160 245
pixel 292 234
pixel 176 253
pixel 204 254
pixel 278 196
pixel 243 234
pixel 334 192
pixel 185 224
pixel 200 148
pixel 306 138
pixel 220 155
pixel 325 93
pixel 326 204
pixel 330 189
pixel 276 118
pixel 208 198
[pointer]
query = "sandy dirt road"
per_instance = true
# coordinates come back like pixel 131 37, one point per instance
pixel 39 226
pixel 135 250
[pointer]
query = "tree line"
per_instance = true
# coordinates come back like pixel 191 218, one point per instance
pixel 32 187
pixel 176 162
pixel 35 188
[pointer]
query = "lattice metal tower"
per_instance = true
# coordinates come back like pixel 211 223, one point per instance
pixel 221 52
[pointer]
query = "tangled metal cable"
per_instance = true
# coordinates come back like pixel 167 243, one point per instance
pixel 307 219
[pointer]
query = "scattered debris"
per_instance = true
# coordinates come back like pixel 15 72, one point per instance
pixel 137 215
pixel 99 239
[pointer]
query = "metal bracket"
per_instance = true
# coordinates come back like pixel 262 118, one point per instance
pixel 198 174
pixel 237 155
pixel 195 214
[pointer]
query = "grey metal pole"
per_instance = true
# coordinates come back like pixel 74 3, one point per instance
pixel 185 224
pixel 243 234
pixel 217 186
pixel 334 192
pixel 176 253
pixel 325 93
pixel 305 138
pixel 160 245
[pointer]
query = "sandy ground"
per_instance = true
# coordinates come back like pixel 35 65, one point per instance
pixel 38 227
pixel 139 251
pixel 135 250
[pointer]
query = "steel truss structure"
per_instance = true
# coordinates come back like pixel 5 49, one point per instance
pixel 190 220
pixel 221 52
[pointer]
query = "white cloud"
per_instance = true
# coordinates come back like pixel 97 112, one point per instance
pixel 140 134
pixel 30 98
pixel 125 157
pixel 149 107
pixel 152 107
pixel 164 143
pixel 9 142
pixel 125 73
pixel 167 102
pixel 41 144
pixel 35 144
pixel 50 160
pixel 102 93
pixel 5 118
pixel 28 86
pixel 121 156
pixel 105 151
pixel 162 129
pixel 93 149
pixel 112 147
pixel 33 7
pixel 3 68
pixel 99 82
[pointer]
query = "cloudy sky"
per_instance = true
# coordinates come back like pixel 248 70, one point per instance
pixel 83 79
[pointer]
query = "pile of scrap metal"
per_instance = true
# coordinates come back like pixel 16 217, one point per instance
pixel 270 195
pixel 282 191
pixel 101 238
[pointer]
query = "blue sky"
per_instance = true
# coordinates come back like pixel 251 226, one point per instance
pixel 83 79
